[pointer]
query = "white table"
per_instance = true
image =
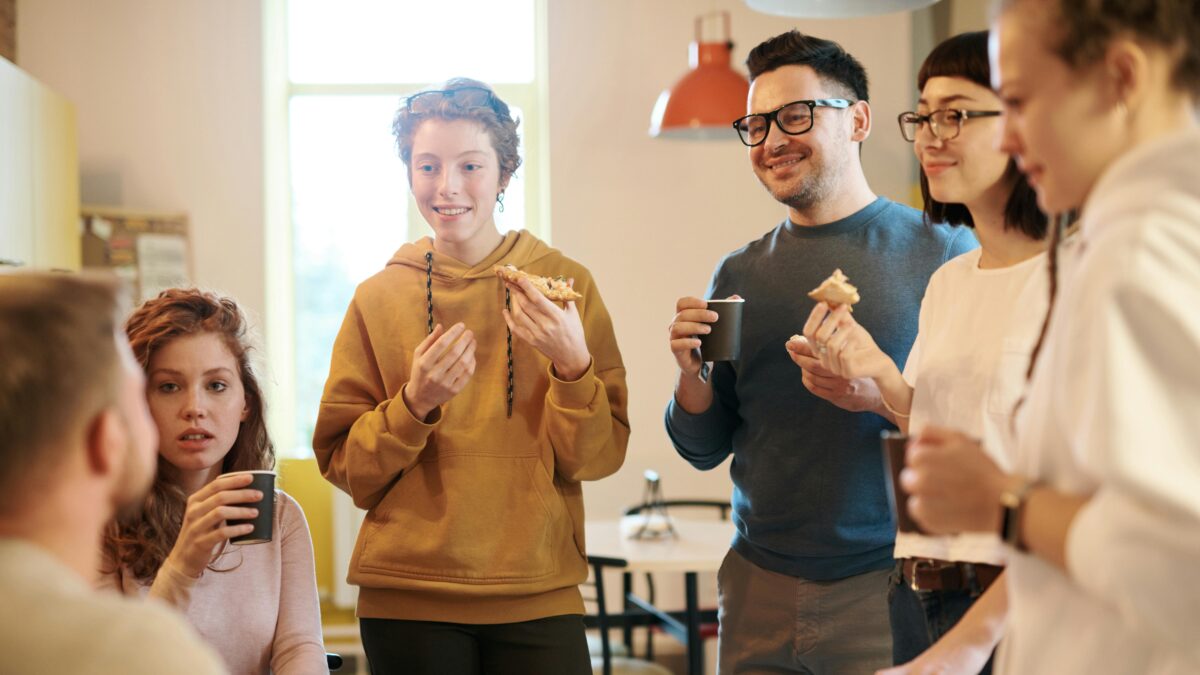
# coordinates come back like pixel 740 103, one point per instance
pixel 700 546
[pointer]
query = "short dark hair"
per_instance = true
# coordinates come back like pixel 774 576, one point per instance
pixel 58 338
pixel 827 58
pixel 966 56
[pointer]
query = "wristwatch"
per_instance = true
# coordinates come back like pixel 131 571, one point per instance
pixel 1013 501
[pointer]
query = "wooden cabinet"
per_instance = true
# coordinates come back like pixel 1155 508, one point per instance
pixel 39 174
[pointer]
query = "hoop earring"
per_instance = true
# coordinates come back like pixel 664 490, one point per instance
pixel 500 201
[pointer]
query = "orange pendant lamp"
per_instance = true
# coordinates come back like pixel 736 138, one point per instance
pixel 704 103
pixel 835 9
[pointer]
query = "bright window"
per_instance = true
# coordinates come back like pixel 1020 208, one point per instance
pixel 347 65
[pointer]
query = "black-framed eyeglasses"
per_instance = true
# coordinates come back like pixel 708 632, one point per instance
pixel 945 124
pixel 793 118
pixel 463 98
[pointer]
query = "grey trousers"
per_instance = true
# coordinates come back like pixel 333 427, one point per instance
pixel 775 623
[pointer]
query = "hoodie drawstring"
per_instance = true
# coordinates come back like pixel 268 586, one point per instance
pixel 508 306
pixel 429 290
pixel 429 324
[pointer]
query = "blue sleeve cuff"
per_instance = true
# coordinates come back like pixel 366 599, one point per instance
pixel 704 439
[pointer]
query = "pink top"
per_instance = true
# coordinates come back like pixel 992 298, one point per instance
pixel 262 616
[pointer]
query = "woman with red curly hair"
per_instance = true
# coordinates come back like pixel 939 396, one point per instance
pixel 257 605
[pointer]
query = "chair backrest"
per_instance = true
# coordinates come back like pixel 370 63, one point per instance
pixel 722 508
pixel 601 618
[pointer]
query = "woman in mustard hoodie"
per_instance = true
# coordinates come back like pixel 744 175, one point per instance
pixel 462 413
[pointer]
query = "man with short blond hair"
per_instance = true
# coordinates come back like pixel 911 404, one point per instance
pixel 77 444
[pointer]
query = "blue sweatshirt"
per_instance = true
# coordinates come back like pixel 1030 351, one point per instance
pixel 809 498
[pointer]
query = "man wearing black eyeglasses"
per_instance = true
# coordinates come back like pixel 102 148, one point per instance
pixel 804 587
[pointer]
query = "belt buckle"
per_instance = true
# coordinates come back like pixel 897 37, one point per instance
pixel 916 572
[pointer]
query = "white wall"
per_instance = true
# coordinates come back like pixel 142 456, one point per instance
pixel 169 104
pixel 633 208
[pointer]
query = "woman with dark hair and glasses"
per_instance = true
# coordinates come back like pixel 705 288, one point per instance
pixel 462 412
pixel 977 326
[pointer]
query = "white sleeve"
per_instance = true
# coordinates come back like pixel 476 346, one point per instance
pixel 1136 358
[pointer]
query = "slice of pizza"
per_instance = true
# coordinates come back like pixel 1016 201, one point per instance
pixel 554 288
pixel 835 290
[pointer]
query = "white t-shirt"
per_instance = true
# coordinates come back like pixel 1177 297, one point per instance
pixel 967 369
pixel 1112 414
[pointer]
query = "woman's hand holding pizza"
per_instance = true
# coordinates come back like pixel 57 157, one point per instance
pixel 555 331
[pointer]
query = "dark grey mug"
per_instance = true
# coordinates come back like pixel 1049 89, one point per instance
pixel 894 445
pixel 724 343
pixel 264 481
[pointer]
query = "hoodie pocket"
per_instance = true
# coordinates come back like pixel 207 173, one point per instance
pixel 477 519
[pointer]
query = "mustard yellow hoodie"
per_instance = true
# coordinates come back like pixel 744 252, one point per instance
pixel 472 516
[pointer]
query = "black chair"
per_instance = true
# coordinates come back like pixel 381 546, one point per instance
pixel 708 629
pixel 602 620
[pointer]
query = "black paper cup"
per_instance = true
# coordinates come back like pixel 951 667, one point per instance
pixel 264 481
pixel 724 343
pixel 894 444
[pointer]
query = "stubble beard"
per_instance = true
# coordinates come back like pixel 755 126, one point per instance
pixel 809 191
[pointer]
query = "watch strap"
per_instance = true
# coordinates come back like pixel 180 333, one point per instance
pixel 1013 503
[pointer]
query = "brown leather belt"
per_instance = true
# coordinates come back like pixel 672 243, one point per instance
pixel 925 574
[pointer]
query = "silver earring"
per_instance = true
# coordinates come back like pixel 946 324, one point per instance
pixel 500 201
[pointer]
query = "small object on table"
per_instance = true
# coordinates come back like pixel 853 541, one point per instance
pixel 651 521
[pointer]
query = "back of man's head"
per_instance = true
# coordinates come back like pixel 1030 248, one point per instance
pixel 59 368
pixel 828 59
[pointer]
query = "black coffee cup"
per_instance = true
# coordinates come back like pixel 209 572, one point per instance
pixel 264 481
pixel 894 445
pixel 724 343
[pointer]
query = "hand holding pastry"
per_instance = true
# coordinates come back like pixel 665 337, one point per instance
pixel 556 332
pixel 844 347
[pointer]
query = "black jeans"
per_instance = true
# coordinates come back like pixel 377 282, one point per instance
pixel 921 618
pixel 555 645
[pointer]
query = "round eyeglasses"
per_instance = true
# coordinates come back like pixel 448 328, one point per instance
pixel 945 124
pixel 793 118
pixel 463 98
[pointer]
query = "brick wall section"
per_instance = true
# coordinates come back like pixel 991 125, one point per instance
pixel 8 29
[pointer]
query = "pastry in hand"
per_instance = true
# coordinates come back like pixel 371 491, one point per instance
pixel 554 288
pixel 835 291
